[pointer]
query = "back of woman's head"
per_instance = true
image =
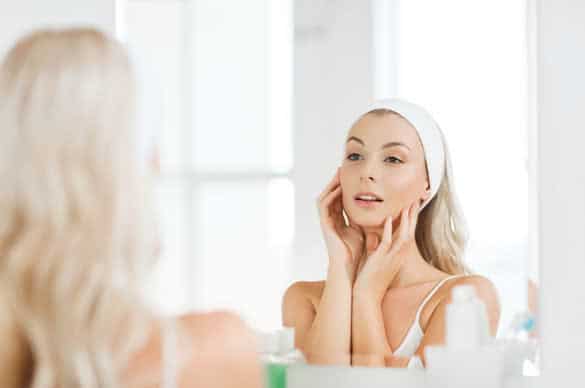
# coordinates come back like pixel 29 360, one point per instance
pixel 74 212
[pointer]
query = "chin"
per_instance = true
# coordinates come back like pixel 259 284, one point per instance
pixel 367 219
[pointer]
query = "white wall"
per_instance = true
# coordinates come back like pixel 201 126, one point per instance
pixel 332 79
pixel 561 186
pixel 21 16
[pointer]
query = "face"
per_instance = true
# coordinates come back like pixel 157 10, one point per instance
pixel 383 157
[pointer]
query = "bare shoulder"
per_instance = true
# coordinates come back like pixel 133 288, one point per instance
pixel 303 292
pixel 484 287
pixel 306 288
pixel 226 319
pixel 220 329
pixel 215 343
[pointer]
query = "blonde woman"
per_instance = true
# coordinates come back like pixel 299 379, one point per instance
pixel 76 233
pixel 395 240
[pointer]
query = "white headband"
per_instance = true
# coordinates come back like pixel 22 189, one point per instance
pixel 429 134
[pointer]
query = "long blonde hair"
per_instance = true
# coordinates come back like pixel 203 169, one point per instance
pixel 441 231
pixel 75 209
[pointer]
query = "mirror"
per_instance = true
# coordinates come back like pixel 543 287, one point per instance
pixel 258 100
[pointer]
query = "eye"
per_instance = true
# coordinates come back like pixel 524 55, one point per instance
pixel 393 159
pixel 353 156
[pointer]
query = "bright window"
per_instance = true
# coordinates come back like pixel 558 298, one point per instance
pixel 226 196
pixel 466 62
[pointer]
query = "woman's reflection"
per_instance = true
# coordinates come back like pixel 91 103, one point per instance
pixel 395 239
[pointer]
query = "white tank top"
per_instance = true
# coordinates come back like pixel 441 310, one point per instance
pixel 415 334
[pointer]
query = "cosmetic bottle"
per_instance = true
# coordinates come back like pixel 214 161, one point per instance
pixel 278 353
pixel 520 346
pixel 469 357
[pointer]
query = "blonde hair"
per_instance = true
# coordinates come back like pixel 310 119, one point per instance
pixel 75 209
pixel 441 232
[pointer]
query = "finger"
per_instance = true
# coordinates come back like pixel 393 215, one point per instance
pixel 404 227
pixel 331 210
pixel 354 226
pixel 372 242
pixel 357 230
pixel 346 220
pixel 326 202
pixel 336 212
pixel 387 234
pixel 330 186
pixel 362 261
pixel 414 219
pixel 405 221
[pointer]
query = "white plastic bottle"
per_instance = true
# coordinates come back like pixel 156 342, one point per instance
pixel 467 324
pixel 520 349
pixel 287 352
pixel 278 353
pixel 268 343
pixel 469 357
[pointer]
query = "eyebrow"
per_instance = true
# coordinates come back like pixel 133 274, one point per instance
pixel 387 145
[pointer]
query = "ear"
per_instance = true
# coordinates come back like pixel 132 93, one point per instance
pixel 425 195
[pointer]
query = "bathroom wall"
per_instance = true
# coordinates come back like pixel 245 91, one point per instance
pixel 561 186
pixel 333 72
pixel 24 15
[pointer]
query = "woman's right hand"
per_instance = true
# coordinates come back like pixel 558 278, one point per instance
pixel 345 243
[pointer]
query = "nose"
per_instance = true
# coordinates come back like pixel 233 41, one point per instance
pixel 368 172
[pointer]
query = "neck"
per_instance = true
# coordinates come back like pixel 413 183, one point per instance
pixel 414 269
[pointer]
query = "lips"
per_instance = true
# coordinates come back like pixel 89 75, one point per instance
pixel 368 196
pixel 367 200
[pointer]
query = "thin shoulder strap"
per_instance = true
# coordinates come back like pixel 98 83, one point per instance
pixel 170 359
pixel 430 294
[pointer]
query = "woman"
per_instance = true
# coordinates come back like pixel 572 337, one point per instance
pixel 76 235
pixel 395 241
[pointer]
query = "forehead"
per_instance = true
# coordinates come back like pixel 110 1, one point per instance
pixel 376 130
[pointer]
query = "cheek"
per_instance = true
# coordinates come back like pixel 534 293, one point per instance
pixel 346 172
pixel 401 190
pixel 397 185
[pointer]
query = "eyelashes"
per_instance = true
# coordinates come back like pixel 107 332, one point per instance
pixel 394 160
pixel 353 156
pixel 390 159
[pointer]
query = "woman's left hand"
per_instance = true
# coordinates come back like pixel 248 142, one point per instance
pixel 383 261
